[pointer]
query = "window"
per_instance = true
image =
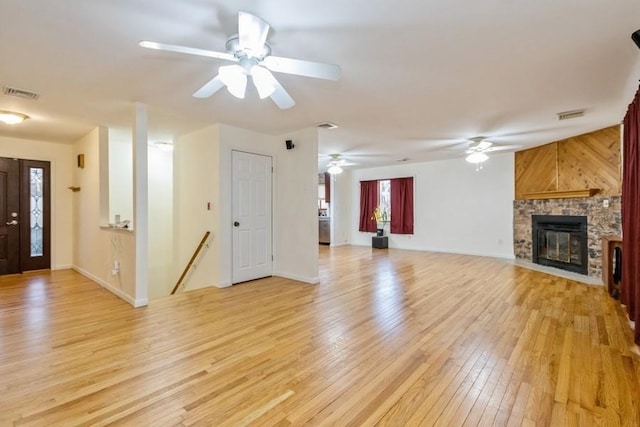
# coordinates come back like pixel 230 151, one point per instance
pixel 393 197
pixel 384 199
pixel 36 210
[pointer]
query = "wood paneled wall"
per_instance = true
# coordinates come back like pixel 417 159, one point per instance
pixel 586 161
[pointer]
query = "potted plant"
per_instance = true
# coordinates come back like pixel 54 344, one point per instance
pixel 381 217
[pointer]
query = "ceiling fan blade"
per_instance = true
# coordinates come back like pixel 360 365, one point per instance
pixel 252 32
pixel 281 97
pixel 188 50
pixel 301 67
pixel 483 145
pixel 502 148
pixel 209 88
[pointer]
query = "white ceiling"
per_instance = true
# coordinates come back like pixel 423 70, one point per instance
pixel 417 76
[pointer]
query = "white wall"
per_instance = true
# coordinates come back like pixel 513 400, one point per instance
pixel 202 174
pixel 340 208
pixel 120 179
pixel 296 207
pixel 96 248
pixel 161 270
pixel 62 165
pixel 457 209
pixel 195 177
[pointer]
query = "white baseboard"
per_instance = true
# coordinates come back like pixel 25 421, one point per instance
pixel 336 245
pixel 310 280
pixel 62 267
pixel 140 302
pixel 448 251
pixel 485 254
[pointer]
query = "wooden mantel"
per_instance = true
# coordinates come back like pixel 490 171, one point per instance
pixel 567 194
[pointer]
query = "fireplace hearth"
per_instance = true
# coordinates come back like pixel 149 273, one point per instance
pixel 560 241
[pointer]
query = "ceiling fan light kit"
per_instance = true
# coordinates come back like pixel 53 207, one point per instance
pixel 250 50
pixel 476 158
pixel 334 169
pixel 12 118
pixel 476 151
pixel 234 79
pixel 336 163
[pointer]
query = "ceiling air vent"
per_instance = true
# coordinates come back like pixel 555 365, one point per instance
pixel 21 93
pixel 570 114
pixel 327 125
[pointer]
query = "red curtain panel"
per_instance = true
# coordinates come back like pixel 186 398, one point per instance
pixel 402 206
pixel 630 287
pixel 368 203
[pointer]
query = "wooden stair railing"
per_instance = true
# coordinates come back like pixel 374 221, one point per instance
pixel 193 258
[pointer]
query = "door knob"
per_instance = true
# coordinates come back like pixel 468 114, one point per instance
pixel 236 224
pixel 14 222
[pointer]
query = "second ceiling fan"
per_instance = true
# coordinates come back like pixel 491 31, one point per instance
pixel 252 56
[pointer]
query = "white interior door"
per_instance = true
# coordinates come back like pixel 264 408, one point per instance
pixel 252 233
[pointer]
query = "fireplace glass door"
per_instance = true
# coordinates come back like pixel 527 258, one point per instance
pixel 560 246
pixel 561 242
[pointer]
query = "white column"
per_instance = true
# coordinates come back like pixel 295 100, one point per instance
pixel 140 204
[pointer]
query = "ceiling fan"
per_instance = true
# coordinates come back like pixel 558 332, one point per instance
pixel 478 147
pixel 336 162
pixel 252 56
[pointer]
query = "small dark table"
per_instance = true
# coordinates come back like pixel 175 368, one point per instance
pixel 380 242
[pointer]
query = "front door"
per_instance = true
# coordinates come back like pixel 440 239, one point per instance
pixel 251 210
pixel 9 211
pixel 24 215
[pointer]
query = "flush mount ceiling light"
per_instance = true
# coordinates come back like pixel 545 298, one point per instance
pixel 12 118
pixel 164 145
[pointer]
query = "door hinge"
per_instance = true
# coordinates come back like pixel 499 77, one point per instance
pixel 271 257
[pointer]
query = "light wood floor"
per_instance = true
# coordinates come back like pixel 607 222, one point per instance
pixel 389 337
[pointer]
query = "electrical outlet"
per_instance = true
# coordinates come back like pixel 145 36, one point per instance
pixel 605 203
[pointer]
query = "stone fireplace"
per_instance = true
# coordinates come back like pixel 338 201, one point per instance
pixel 603 217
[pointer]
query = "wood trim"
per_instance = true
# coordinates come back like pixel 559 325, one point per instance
pixel 590 160
pixel 608 245
pixel 568 194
